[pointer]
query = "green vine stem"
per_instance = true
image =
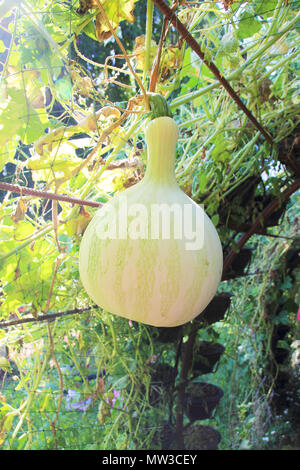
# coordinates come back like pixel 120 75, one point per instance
pixel 196 48
pixel 48 317
pixel 278 15
pixel 31 394
pixel 23 245
pixel 148 38
pixel 188 97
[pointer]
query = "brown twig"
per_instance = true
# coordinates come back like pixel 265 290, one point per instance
pixel 47 317
pixel 15 188
pixel 196 48
pixel 156 64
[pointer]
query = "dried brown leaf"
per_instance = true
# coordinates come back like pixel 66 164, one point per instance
pixel 20 211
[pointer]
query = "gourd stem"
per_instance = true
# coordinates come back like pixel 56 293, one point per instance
pixel 158 106
pixel 161 138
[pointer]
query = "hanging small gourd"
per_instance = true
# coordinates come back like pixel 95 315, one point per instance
pixel 151 254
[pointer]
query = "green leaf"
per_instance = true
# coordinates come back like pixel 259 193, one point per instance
pixel 121 382
pixel 202 182
pixel 229 44
pixel 287 284
pixel 34 129
pixel 295 5
pixel 8 422
pixel 22 382
pixel 22 440
pixel 266 8
pixel 10 124
pixel 235 6
pixel 89 30
pixel 19 118
pixel 248 24
pixel 64 88
pixel 215 219
pixel 221 149
pixel 4 364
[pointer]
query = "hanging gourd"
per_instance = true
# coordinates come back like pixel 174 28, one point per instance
pixel 151 254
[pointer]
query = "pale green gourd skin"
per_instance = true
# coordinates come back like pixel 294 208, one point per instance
pixel 154 281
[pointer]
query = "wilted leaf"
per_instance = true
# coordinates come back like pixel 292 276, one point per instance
pixel 265 90
pixel 170 61
pixel 82 85
pixel 85 5
pixel 20 211
pixel 103 411
pixel 105 115
pixel 54 138
pixel 77 225
pixel 116 11
pixel 139 51
pixel 101 29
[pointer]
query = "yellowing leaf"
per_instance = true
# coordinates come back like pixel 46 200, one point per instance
pixel 60 158
pixel 23 229
pixel 170 60
pixel 81 84
pixel 29 82
pixel 105 115
pixel 139 51
pixel 118 136
pixel 116 11
pixel 108 180
pixel 20 211
pixel 4 364
pixel 103 411
pixel 77 225
pixel 18 118
pixel 48 141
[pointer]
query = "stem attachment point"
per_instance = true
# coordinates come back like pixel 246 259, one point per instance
pixel 158 106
